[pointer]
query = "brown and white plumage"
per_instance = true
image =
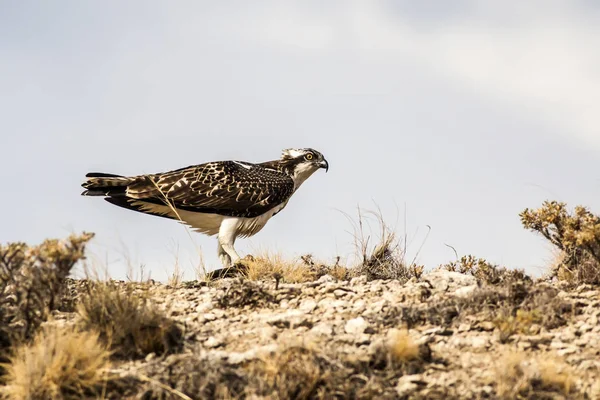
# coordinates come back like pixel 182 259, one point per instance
pixel 224 198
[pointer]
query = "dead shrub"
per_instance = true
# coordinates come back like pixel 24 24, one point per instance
pixel 129 321
pixel 32 281
pixel 576 234
pixel 60 363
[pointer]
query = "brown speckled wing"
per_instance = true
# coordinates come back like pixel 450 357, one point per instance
pixel 228 188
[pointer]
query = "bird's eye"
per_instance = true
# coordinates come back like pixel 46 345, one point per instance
pixel 309 156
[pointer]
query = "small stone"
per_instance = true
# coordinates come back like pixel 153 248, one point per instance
pixel 212 342
pixel 324 329
pixel 209 317
pixel 204 307
pixel 486 326
pixel 326 278
pixel 567 350
pixel 356 326
pixel 308 305
pixel 465 291
pixel 480 342
pixel 359 280
pixel 408 384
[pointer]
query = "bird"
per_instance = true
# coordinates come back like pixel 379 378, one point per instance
pixel 229 199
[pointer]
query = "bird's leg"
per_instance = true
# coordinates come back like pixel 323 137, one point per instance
pixel 223 256
pixel 226 238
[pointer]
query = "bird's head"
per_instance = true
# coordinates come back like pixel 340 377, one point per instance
pixel 302 163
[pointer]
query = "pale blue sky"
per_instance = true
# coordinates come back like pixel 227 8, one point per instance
pixel 467 112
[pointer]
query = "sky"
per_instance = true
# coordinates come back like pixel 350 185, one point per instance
pixel 449 115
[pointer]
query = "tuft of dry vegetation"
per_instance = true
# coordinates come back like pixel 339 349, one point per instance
pixel 129 321
pixel 60 363
pixel 32 281
pixel 523 376
pixel 576 234
pixel 386 259
pixel 272 266
pixel 401 347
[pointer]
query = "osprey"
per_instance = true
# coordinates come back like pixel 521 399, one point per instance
pixel 224 198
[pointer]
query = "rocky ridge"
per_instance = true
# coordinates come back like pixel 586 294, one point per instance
pixel 514 340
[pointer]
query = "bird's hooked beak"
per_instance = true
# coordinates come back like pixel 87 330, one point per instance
pixel 324 164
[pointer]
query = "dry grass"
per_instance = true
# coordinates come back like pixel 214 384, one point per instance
pixel 382 255
pixel 60 363
pixel 520 375
pixel 526 322
pixel 129 321
pixel 402 348
pixel 269 266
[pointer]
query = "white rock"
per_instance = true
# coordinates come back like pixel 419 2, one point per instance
pixel 213 342
pixel 448 281
pixel 323 328
pixel 465 291
pixel 204 307
pixel 209 317
pixel 407 384
pixel 308 305
pixel 326 278
pixel 359 280
pixel 356 326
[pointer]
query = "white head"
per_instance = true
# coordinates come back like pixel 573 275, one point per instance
pixel 302 163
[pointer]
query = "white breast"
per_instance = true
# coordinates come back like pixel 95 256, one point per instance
pixel 251 226
pixel 210 224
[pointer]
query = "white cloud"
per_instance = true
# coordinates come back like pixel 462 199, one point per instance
pixel 543 60
pixel 540 57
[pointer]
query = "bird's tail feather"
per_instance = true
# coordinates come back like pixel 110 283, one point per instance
pixel 101 184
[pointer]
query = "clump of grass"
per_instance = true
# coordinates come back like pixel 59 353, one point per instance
pixel 129 321
pixel 402 348
pixel 269 266
pixel 386 258
pixel 60 363
pixel 520 375
pixel 400 354
pixel 32 281
pixel 576 234
pixel 526 322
